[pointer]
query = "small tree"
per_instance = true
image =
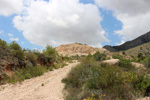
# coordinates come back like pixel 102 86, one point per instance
pixel 48 57
pixel 15 46
pixel 3 44
pixel 16 50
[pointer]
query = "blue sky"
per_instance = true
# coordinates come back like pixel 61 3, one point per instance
pixel 115 27
pixel 7 26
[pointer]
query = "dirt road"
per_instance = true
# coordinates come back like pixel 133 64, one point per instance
pixel 45 87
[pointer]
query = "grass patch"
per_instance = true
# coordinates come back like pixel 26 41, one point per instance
pixel 24 73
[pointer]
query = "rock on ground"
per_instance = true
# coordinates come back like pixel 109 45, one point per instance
pixel 112 62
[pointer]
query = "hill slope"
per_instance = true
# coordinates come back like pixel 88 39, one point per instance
pixel 144 49
pixel 77 49
pixel 130 44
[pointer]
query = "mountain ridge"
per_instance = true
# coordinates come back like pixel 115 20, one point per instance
pixel 145 38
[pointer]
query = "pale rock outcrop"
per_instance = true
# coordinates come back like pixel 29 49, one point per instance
pixel 137 65
pixel 78 49
pixel 114 62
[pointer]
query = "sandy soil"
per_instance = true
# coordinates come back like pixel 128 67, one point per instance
pixel 32 89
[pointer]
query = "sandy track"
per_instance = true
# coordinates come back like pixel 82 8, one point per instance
pixel 32 89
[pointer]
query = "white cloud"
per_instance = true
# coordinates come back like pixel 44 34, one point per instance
pixel 60 21
pixel 22 43
pixel 134 15
pixel 1 32
pixel 14 39
pixel 9 7
pixel 122 42
pixel 9 34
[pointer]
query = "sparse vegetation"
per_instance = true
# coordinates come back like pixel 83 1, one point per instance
pixel 26 64
pixel 93 79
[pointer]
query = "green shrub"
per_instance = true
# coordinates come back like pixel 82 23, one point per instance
pixel 141 83
pixel 18 54
pixel 48 57
pixel 15 46
pixel 140 56
pixel 124 53
pixel 92 78
pixel 3 44
pixel 89 56
pixel 117 82
pixel 16 50
pixel 51 68
pixel 76 57
pixel 45 60
pixel 126 65
pixel 42 84
pixel 50 51
pixel 146 61
pixel 31 57
pixel 99 56
pixel 117 56
pixel 26 73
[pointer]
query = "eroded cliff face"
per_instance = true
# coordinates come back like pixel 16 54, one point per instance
pixel 78 49
pixel 130 44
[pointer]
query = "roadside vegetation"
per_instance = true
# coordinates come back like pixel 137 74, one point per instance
pixel 93 80
pixel 17 64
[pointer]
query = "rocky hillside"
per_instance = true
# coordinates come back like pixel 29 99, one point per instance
pixel 130 44
pixel 7 61
pixel 77 49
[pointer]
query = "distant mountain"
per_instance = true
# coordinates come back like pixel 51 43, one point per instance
pixel 130 44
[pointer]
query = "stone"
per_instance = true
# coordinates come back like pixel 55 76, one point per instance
pixel 114 62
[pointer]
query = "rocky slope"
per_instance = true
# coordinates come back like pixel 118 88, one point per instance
pixel 130 44
pixel 7 61
pixel 77 49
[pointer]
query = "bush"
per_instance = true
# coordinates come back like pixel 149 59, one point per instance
pixel 124 53
pixel 51 68
pixel 31 57
pixel 3 44
pixel 14 46
pixel 48 57
pixel 117 57
pixel 45 60
pixel 16 50
pixel 142 84
pixel 92 78
pixel 50 51
pixel 18 54
pixel 99 56
pixel 146 61
pixel 116 82
pixel 27 73
pixel 126 65
pixel 140 56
